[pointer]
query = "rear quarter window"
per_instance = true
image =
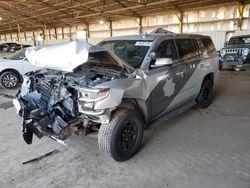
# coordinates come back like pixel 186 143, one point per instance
pixel 208 44
pixel 201 48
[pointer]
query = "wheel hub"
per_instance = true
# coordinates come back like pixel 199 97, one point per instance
pixel 9 81
pixel 128 136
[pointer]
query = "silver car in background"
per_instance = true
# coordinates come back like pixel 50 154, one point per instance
pixel 12 69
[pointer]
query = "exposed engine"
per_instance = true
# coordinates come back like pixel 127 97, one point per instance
pixel 49 100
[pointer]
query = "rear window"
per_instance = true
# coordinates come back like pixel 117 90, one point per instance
pixel 208 44
pixel 186 49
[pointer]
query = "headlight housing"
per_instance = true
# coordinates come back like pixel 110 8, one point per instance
pixel 92 95
pixel 245 51
pixel 222 52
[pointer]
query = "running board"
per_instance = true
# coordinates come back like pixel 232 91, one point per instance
pixel 169 115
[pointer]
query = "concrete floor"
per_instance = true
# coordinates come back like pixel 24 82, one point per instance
pixel 208 148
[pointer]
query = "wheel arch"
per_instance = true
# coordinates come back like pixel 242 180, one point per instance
pixel 209 76
pixel 134 104
pixel 205 102
pixel 15 71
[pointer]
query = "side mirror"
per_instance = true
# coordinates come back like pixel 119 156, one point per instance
pixel 225 44
pixel 161 62
pixel 152 55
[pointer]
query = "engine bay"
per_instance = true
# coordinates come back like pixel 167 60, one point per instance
pixel 49 100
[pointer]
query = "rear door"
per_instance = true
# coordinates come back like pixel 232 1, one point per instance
pixel 201 65
pixel 190 57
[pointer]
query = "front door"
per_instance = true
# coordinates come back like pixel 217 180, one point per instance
pixel 165 83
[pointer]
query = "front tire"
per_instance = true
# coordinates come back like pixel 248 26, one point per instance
pixel 122 137
pixel 206 94
pixel 9 80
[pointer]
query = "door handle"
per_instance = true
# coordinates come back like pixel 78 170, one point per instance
pixel 180 73
pixel 202 65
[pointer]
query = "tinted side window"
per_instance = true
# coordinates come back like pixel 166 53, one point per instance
pixel 201 48
pixel 186 49
pixel 167 49
pixel 208 43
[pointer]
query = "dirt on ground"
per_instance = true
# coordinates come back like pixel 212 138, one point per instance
pixel 201 148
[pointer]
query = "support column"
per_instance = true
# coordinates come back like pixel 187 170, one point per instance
pixel 70 33
pixel 180 18
pixel 56 33
pixel 34 37
pixel 140 25
pixel 110 29
pixel 18 35
pixel 62 32
pixel 87 31
pixel 49 35
pixel 179 14
pixel 240 6
pixel 45 35
pixel 25 36
pixel 181 22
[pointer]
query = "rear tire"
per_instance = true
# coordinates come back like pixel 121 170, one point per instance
pixel 122 137
pixel 9 80
pixel 205 96
pixel 220 66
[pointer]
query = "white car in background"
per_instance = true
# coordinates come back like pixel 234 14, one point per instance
pixel 12 69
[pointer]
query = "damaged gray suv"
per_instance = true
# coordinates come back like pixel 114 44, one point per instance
pixel 115 88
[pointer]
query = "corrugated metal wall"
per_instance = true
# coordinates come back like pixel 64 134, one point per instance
pixel 218 37
pixel 217 22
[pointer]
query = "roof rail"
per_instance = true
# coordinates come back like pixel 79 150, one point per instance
pixel 160 31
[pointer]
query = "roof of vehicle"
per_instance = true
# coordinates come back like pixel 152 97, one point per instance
pixel 240 36
pixel 10 43
pixel 152 36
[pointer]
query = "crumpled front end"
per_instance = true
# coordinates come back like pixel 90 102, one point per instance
pixel 64 98
pixel 56 104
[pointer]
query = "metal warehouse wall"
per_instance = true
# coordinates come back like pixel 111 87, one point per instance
pixel 218 22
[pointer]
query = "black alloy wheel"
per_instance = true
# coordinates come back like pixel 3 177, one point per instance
pixel 122 137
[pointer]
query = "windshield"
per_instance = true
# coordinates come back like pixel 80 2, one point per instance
pixel 20 55
pixel 100 59
pixel 239 40
pixel 132 52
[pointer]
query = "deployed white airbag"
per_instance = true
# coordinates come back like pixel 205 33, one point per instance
pixel 63 57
